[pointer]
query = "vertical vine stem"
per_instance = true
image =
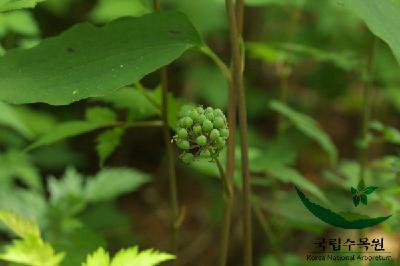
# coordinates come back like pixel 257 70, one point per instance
pixel 367 80
pixel 236 26
pixel 228 194
pixel 170 157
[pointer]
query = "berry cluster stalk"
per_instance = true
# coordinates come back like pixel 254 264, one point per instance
pixel 170 157
pixel 236 26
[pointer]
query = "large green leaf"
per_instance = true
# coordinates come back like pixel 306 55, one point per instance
pixel 382 18
pixel 88 61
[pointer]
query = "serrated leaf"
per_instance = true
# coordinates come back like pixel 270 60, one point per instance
pixel 66 194
pixel 23 227
pixel 107 142
pixel 66 130
pixel 9 117
pixel 353 190
pixel 87 61
pixel 33 252
pixel 361 185
pixel 382 18
pixel 112 182
pixel 132 256
pixel 8 5
pixel 308 126
pixel 364 199
pixel 356 200
pixel 98 258
pixel 369 190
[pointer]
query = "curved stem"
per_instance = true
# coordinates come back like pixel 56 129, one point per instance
pixel 170 158
pixel 237 81
pixel 222 66
pixel 228 204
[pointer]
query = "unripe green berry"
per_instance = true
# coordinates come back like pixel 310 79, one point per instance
pixel 187 158
pixel 182 133
pixel 183 144
pixel 224 132
pixel 207 125
pixel 210 116
pixel 193 114
pixel 214 134
pixel 187 122
pixel 201 118
pixel 205 154
pixel 197 129
pixel 220 142
pixel 200 110
pixel 201 140
pixel 209 110
pixel 218 112
pixel 219 122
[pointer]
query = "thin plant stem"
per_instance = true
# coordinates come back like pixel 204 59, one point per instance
pixel 145 93
pixel 237 81
pixel 367 80
pixel 228 193
pixel 175 221
pixel 221 65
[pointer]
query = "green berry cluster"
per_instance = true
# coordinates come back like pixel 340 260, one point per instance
pixel 201 133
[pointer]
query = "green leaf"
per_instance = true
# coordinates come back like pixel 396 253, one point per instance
pixel 23 227
pixel 98 258
pixel 369 190
pixel 112 182
pixel 33 252
pixel 356 200
pixel 10 118
pixel 130 256
pixel 308 126
pixel 108 10
pixel 65 130
pixel 101 115
pixel 364 199
pixel 18 165
pixel 382 18
pixel 132 99
pixel 66 194
pixel 353 190
pixel 8 5
pixel 87 61
pixel 290 175
pixel 19 22
pixel 107 142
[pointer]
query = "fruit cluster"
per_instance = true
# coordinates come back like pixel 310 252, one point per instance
pixel 201 133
